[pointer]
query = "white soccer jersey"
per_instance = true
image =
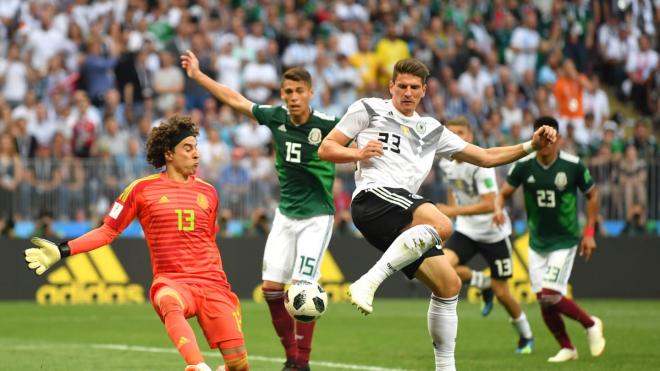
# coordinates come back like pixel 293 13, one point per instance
pixel 409 143
pixel 468 182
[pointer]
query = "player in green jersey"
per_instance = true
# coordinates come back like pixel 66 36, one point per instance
pixel 550 180
pixel 303 221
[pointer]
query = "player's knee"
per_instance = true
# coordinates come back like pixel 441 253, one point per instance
pixel 450 288
pixel 444 227
pixel 168 302
pixel 548 298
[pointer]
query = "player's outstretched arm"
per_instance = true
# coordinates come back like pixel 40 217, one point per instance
pixel 333 149
pixel 496 156
pixel 588 243
pixel 225 94
pixel 498 204
pixel 45 253
pixel 484 206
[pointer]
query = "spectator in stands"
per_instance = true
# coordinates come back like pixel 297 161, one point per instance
pixel 644 141
pixel 262 177
pixel 568 93
pixel 132 164
pixel 596 102
pixel 71 187
pixel 44 226
pixel 26 144
pixel 97 71
pixel 342 201
pixel 250 134
pixel 213 153
pixel 632 176
pixel 43 127
pixel 473 82
pixel 14 76
pixel 234 184
pixel 635 222
pixel 366 63
pixel 641 65
pixel 389 50
pixel 84 122
pixel 11 173
pixel 42 180
pixel 114 138
pixel 260 79
pixel 525 42
pixel 168 81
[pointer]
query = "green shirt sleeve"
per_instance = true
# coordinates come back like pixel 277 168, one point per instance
pixel 514 177
pixel 584 180
pixel 264 113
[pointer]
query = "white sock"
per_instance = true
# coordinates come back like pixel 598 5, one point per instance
pixel 408 247
pixel 443 327
pixel 480 280
pixel 522 326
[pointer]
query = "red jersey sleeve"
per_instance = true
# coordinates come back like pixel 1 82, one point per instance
pixel 124 210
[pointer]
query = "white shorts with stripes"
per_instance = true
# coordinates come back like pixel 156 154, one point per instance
pixel 295 247
pixel 551 270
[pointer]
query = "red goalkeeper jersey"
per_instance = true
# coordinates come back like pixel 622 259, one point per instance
pixel 178 220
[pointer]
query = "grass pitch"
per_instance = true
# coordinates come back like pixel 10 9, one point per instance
pixel 99 337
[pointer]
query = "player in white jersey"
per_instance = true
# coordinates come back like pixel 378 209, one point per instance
pixel 394 153
pixel 471 200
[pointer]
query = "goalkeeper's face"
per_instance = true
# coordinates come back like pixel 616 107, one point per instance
pixel 296 95
pixel 184 158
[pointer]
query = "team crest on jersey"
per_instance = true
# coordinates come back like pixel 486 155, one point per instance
pixel 314 136
pixel 420 128
pixel 561 180
pixel 202 201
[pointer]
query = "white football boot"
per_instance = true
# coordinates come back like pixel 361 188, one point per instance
pixel 595 337
pixel 564 354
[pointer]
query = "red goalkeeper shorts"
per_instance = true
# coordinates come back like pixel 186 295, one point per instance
pixel 217 309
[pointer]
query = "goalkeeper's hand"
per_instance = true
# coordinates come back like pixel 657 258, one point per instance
pixel 45 254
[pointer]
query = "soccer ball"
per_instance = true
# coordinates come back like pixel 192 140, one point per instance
pixel 306 301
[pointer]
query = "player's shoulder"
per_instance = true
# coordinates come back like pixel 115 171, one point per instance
pixel 572 159
pixel 373 103
pixel 527 159
pixel 204 184
pixel 324 118
pixel 269 112
pixel 138 184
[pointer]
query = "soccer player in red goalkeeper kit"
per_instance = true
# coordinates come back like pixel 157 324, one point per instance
pixel 177 212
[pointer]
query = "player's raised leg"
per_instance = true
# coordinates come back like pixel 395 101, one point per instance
pixel 426 231
pixel 171 308
pixel 438 275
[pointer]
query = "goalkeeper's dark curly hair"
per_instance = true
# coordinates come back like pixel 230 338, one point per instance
pixel 162 137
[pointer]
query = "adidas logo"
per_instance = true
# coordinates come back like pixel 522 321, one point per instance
pixel 531 179
pixel 390 113
pixel 163 200
pixel 281 128
pixel 182 341
pixel 95 277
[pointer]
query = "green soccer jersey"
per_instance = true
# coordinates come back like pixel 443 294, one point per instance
pixel 551 199
pixel 305 180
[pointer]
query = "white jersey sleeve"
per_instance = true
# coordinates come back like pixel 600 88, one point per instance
pixel 450 144
pixel 486 181
pixel 354 120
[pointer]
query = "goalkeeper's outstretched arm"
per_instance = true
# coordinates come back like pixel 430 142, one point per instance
pixel 46 253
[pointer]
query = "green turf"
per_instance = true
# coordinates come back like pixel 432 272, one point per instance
pixel 394 337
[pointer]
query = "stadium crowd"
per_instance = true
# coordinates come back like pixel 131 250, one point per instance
pixel 82 83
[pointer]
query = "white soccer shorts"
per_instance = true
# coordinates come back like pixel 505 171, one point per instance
pixel 295 248
pixel 551 270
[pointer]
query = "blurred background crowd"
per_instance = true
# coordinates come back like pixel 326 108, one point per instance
pixel 82 83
